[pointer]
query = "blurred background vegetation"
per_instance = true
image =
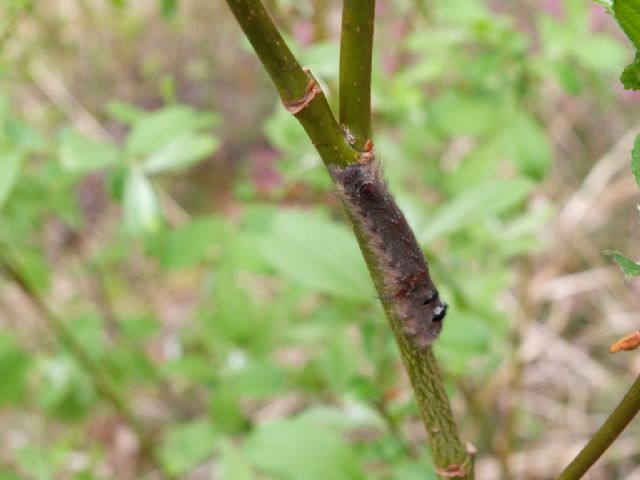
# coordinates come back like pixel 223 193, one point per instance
pixel 159 206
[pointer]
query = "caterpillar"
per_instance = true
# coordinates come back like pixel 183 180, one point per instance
pixel 397 256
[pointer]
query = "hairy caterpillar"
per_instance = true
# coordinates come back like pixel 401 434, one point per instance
pixel 398 258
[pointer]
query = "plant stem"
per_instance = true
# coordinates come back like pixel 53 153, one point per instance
pixel 101 382
pixel 293 82
pixel 356 46
pixel 310 107
pixel 604 437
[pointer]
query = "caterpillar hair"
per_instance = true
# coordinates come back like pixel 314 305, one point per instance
pixel 397 255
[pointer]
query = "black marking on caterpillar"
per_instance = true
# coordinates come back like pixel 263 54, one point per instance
pixel 403 268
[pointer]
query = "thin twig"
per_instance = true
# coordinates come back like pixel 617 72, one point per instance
pixel 604 437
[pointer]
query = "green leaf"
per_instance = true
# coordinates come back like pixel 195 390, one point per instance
pixel 629 267
pixel 191 243
pixel 6 475
pixel 322 255
pixel 635 160
pixel 180 153
pixel 298 449
pixel 630 76
pixel 234 466
pixel 168 8
pixel 14 366
pixel 79 154
pixel 530 148
pixel 141 205
pixel 476 204
pixel 37 462
pixel 157 129
pixel 235 315
pixel 124 112
pixel 627 13
pixel 459 115
pixel 187 445
pixel 10 164
pixel 65 391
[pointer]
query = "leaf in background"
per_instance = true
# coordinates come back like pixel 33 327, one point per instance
pixel 181 152
pixel 629 267
pixel 9 167
pixel 168 8
pixel 125 112
pixel 37 462
pixel 156 129
pixel 459 115
pixel 322 255
pixel 236 316
pixel 14 365
pixel 141 205
pixel 635 160
pixel 191 243
pixel 79 154
pixel 234 466
pixel 65 391
pixel 298 449
pixel 476 204
pixel 530 148
pixel 6 475
pixel 187 445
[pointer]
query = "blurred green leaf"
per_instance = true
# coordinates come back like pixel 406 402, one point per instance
pixel 476 204
pixel 5 475
pixel 530 147
pixel 180 153
pixel 79 154
pixel 10 163
pixel 296 449
pixel 225 410
pixel 65 391
pixel 317 252
pixel 14 366
pixel 258 379
pixel 339 361
pixel 168 8
pixel 629 267
pixel 191 243
pixel 139 328
pixel 37 462
pixel 472 115
pixel 141 205
pixel 124 112
pixel 236 316
pixel 157 129
pixel 187 445
pixel 234 466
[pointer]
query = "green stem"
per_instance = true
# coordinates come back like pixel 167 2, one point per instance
pixel 292 82
pixel 604 437
pixel 447 449
pixel 356 45
pixel 451 458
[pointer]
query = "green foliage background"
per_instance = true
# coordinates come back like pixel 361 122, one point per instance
pixel 155 194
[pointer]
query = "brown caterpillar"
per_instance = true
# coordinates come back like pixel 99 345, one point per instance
pixel 398 257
